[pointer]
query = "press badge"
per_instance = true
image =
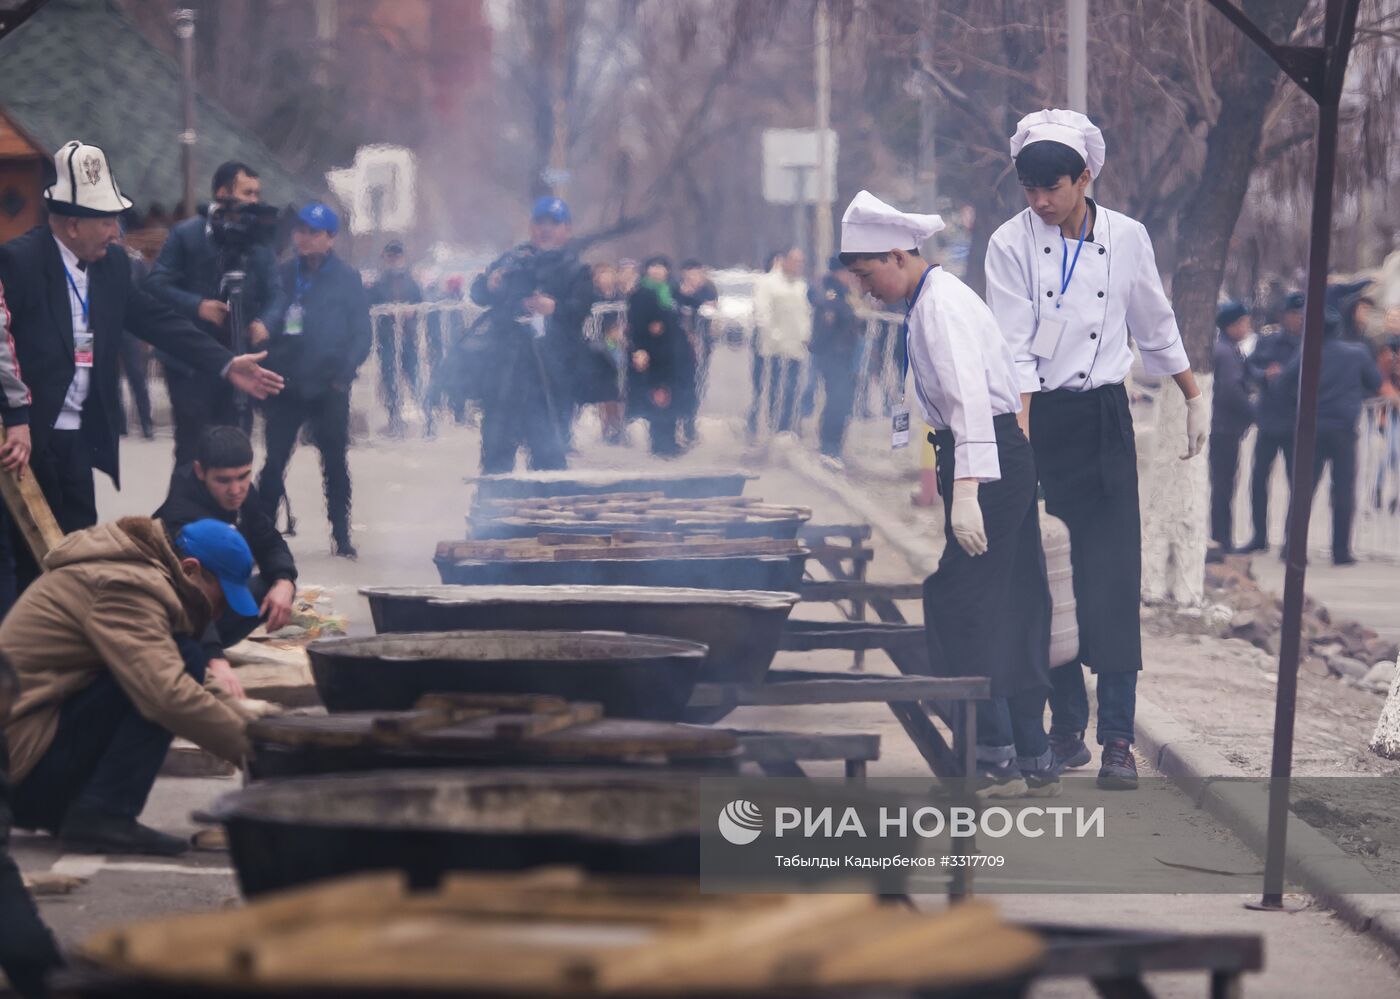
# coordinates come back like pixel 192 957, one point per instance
pixel 1047 336
pixel 899 428
pixel 82 350
pixel 292 326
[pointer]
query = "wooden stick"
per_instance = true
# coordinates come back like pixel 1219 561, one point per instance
pixel 30 511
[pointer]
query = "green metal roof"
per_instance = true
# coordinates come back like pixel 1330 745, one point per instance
pixel 78 69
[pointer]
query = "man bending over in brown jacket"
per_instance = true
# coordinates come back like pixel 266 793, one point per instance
pixel 109 673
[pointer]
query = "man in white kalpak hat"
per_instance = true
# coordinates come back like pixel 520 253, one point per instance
pixel 987 608
pixel 66 294
pixel 1068 279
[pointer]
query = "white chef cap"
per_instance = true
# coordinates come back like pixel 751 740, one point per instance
pixel 871 226
pixel 1068 128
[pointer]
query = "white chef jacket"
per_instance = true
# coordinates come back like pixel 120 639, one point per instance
pixel 1115 293
pixel 71 416
pixel 964 374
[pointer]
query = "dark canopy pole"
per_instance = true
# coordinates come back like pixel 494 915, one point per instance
pixel 1320 72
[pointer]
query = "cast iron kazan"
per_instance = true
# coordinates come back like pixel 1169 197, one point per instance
pixel 673 485
pixel 741 627
pixel 427 822
pixel 781 572
pixel 632 676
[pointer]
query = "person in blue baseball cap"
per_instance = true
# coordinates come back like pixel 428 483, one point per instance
pixel 323 341
pixel 537 368
pixel 110 671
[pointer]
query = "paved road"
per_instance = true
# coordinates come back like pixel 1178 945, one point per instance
pixel 409 494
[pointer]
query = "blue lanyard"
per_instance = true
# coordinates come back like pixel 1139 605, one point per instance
pixel 914 298
pixel 1066 278
pixel 83 301
pixel 303 286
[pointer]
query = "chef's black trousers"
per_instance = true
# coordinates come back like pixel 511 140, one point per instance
pixel 329 417
pixel 1224 468
pixel 1267 447
pixel 199 401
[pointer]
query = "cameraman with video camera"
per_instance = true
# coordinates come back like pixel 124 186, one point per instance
pixel 213 265
pixel 537 296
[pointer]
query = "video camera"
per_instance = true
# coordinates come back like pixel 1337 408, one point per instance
pixel 235 228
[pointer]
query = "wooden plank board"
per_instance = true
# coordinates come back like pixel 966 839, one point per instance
pixel 838 689
pixel 830 590
pixel 30 511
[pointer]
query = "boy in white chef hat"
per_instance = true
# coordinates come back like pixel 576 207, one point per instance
pixel 987 607
pixel 1068 280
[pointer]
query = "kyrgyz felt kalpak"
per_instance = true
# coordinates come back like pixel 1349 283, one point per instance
pixel 871 226
pixel 84 186
pixel 1069 128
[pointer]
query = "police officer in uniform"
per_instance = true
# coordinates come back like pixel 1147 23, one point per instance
pixel 1067 279
pixel 1231 415
pixel 987 608
pixel 1277 402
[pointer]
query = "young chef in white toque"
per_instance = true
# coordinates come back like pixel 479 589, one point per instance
pixel 1070 282
pixel 987 608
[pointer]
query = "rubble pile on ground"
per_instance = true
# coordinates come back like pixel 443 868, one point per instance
pixel 1236 607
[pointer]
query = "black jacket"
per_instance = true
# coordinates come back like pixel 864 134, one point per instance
pixel 27 948
pixel 835 327
pixel 188 500
pixel 1231 407
pixel 335 337
pixel 189 270
pixel 564 278
pixel 35 288
pixel 1278 400
pixel 1349 376
pixel 670 360
pixel 395 288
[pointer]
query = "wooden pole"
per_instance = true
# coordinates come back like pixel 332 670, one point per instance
pixel 30 511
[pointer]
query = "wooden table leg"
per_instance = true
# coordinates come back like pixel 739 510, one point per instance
pixel 1226 985
pixel 965 748
pixel 855 770
pixel 1131 987
pixel 926 739
pixel 782 768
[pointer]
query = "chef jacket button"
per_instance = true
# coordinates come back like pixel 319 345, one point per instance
pixel 1100 294
pixel 1047 249
pixel 1081 375
pixel 1093 336
pixel 1102 251
pixel 1049 294
pixel 1042 381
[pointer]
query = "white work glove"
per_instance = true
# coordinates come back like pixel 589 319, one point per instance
pixel 1197 426
pixel 967 518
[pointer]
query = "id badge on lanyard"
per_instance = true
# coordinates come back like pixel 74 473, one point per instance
pixel 293 324
pixel 899 419
pixel 82 339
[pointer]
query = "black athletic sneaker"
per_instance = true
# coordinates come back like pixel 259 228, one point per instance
pixel 89 831
pixel 344 549
pixel 999 780
pixel 1118 769
pixel 1070 751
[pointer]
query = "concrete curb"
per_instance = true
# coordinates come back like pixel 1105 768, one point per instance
pixel 1216 785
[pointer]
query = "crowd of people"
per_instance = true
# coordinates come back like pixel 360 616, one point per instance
pixel 1260 389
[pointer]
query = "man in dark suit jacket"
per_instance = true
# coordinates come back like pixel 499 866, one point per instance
pixel 68 294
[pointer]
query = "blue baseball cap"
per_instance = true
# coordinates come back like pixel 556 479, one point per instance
pixel 551 208
pixel 221 550
pixel 317 215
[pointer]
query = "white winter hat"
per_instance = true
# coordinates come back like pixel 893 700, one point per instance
pixel 85 186
pixel 1069 128
pixel 871 226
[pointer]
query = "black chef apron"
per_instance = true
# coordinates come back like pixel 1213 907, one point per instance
pixel 990 615
pixel 1086 454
